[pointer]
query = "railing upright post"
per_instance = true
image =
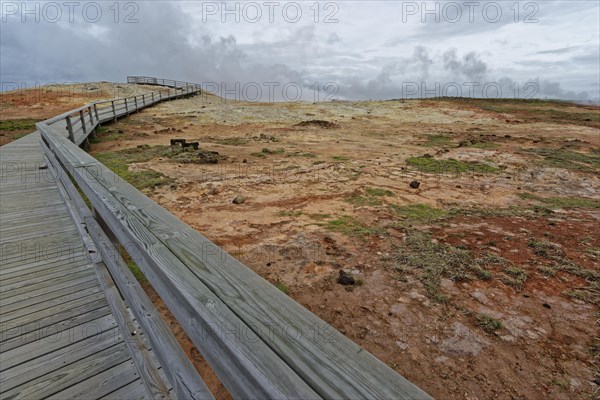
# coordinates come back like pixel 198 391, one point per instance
pixel 153 97
pixel 136 104
pixel 126 108
pixel 96 112
pixel 143 100
pixel 114 110
pixel 82 123
pixel 92 127
pixel 70 129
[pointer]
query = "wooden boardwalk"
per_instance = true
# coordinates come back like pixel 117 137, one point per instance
pixel 58 335
pixel 75 323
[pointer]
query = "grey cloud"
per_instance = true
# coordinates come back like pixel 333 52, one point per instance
pixel 168 42
pixel 561 50
pixel 469 66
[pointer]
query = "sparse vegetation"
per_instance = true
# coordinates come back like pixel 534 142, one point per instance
pixel 433 260
pixel 420 213
pixel 488 323
pixel 233 141
pixel 294 213
pixel 351 226
pixel 562 202
pixel 18 124
pixel 119 162
pixel 514 277
pixel 104 134
pixel 437 141
pixel 266 151
pixel 535 110
pixel 378 192
pixel 340 158
pixel 448 166
pixel 567 159
pixel 283 287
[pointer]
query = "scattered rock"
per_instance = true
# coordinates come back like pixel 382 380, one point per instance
pixel 244 161
pixel 239 200
pixel 402 345
pixel 345 278
pixel 546 305
pixel 415 184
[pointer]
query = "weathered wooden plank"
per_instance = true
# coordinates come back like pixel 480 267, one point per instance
pixel 44 364
pixel 134 391
pixel 22 258
pixel 50 286
pixel 44 263
pixel 47 296
pixel 70 375
pixel 31 279
pixel 32 310
pixel 39 233
pixel 14 330
pixel 60 280
pixel 28 347
pixel 101 384
pixel 21 338
pixel 54 313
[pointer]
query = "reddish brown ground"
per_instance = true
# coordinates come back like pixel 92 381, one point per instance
pixel 288 228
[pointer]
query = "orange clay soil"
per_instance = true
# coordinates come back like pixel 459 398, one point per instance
pixel 512 184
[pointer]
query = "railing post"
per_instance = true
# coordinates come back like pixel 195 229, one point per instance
pixel 143 100
pixel 136 104
pixel 152 97
pixel 126 108
pixel 82 123
pixel 96 112
pixel 114 110
pixel 92 127
pixel 91 116
pixel 70 129
pixel 160 95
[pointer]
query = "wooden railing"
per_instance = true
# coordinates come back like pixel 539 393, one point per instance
pixel 260 342
pixel 147 80
pixel 81 122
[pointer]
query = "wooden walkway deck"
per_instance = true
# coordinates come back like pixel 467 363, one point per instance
pixel 58 335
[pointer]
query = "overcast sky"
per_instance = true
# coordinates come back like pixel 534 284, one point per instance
pixel 348 49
